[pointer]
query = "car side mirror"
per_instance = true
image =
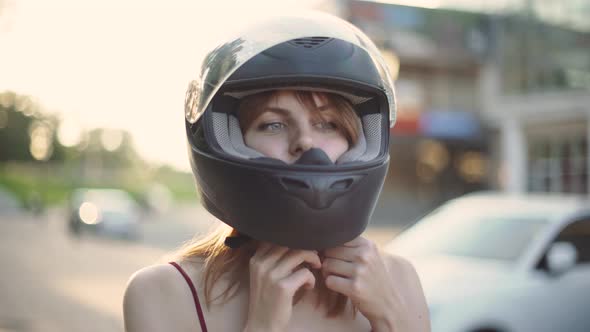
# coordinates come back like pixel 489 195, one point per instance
pixel 561 257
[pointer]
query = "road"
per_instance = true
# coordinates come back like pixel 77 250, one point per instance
pixel 50 281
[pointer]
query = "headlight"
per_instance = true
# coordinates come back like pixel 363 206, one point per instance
pixel 88 213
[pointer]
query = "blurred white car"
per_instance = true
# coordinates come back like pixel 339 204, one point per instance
pixel 498 262
pixel 111 212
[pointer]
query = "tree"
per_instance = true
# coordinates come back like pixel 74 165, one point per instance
pixel 26 133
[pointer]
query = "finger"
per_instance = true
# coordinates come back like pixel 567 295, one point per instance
pixel 338 267
pixel 340 285
pixel 263 249
pixel 300 278
pixel 342 253
pixel 294 258
pixel 266 256
pixel 274 254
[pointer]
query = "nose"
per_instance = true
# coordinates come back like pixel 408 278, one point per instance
pixel 302 142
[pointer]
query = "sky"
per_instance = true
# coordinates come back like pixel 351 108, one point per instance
pixel 118 64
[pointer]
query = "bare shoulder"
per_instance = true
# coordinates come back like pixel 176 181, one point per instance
pixel 406 276
pixel 156 299
pixel 401 268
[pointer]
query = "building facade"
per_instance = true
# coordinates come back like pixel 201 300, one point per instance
pixel 486 101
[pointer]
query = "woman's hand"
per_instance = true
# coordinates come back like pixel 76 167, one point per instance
pixel 276 273
pixel 358 270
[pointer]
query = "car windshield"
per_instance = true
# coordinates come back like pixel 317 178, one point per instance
pixel 480 233
pixel 110 200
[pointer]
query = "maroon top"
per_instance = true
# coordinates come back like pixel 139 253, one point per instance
pixel 195 296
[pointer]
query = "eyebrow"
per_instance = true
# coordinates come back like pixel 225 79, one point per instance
pixel 278 110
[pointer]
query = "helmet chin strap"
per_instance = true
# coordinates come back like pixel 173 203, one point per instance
pixel 236 241
pixel 314 156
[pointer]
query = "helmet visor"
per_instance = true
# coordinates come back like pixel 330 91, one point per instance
pixel 219 64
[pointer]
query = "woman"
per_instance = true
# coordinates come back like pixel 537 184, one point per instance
pixel 288 134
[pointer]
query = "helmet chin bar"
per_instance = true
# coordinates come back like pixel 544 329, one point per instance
pixel 318 192
pixel 314 156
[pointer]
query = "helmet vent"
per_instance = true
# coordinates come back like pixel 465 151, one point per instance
pixel 290 183
pixel 310 42
pixel 342 184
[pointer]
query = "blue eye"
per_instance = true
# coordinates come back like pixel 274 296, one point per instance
pixel 271 126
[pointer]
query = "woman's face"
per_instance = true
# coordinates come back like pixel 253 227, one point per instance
pixel 285 129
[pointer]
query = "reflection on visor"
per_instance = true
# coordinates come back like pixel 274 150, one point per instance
pixel 225 59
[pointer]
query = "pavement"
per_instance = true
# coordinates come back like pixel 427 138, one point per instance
pixel 52 282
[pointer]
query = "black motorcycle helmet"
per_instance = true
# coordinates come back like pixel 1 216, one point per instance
pixel 313 203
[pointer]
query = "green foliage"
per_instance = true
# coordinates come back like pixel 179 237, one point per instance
pixel 104 158
pixel 52 184
pixel 123 156
pixel 47 189
pixel 21 119
pixel 14 128
pixel 180 184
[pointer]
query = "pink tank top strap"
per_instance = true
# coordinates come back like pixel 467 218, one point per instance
pixel 195 296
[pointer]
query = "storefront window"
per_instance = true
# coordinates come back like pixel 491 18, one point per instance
pixel 558 165
pixel 537 57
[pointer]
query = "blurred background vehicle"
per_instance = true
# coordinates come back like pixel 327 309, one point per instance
pixel 499 262
pixel 110 212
